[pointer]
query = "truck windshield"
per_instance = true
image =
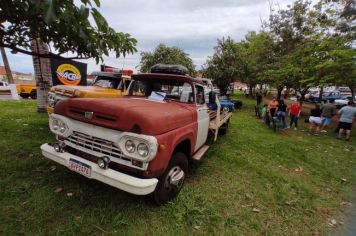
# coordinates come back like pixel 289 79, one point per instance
pixel 171 90
pixel 106 82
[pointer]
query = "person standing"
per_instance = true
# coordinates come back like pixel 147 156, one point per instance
pixel 294 113
pixel 328 111
pixel 258 104
pixel 273 109
pixel 315 119
pixel 281 114
pixel 347 117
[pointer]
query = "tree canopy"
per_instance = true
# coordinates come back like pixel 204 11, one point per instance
pixel 166 55
pixel 62 24
pixel 298 47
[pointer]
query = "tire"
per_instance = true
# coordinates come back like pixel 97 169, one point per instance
pixel 33 95
pixel 165 190
pixel 24 95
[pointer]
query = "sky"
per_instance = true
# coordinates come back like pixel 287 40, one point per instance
pixel 192 25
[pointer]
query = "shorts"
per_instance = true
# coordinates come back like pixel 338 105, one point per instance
pixel 345 125
pixel 326 121
pixel 315 119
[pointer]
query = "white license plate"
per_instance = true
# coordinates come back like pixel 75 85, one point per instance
pixel 80 167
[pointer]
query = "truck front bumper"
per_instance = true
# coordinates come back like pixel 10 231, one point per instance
pixel 111 177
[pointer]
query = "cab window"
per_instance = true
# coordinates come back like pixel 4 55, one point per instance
pixel 199 90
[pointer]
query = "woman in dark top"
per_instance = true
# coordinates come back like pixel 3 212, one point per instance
pixel 315 119
pixel 281 114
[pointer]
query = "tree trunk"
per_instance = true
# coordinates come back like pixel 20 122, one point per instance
pixel 7 66
pixel 321 94
pixel 279 92
pixel 250 91
pixel 43 74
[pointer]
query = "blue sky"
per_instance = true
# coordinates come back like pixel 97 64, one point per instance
pixel 192 25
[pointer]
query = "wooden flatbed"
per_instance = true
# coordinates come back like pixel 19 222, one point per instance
pixel 218 120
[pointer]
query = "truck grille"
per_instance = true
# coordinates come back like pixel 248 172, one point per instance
pixel 95 144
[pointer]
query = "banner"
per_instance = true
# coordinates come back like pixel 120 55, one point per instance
pixel 68 72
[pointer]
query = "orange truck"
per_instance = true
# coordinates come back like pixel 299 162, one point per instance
pixel 106 85
pixel 27 90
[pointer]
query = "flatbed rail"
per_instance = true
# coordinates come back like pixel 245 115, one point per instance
pixel 220 119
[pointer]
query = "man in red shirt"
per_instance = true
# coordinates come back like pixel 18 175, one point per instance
pixel 294 113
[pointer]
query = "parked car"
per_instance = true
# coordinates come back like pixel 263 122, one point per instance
pixel 4 88
pixel 326 97
pixel 141 143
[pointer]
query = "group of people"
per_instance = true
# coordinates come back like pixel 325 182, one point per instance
pixel 319 119
pixel 279 110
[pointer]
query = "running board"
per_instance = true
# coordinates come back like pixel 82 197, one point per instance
pixel 200 153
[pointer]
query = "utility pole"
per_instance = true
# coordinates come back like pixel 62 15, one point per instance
pixel 7 66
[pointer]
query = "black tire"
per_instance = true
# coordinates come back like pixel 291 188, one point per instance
pixel 24 95
pixel 33 95
pixel 165 191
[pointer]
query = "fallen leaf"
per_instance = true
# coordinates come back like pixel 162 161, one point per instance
pixel 31 155
pixel 256 210
pixel 341 223
pixel 52 168
pixel 332 223
pixel 58 189
pixel 328 190
pixel 299 169
pixel 197 227
pixel 25 124
pixel 345 203
pixel 343 179
pixel 287 203
pixel 69 194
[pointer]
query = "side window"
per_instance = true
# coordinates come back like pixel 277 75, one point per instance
pixel 200 98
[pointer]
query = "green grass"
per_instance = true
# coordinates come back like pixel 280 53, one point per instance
pixel 250 167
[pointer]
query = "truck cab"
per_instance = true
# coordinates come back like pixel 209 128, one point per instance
pixel 106 84
pixel 141 143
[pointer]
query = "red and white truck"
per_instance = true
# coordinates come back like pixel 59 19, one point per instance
pixel 141 143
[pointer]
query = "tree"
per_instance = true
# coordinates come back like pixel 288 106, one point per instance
pixel 166 55
pixel 289 27
pixel 62 24
pixel 65 26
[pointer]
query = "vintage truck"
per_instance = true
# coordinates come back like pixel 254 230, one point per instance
pixel 27 90
pixel 141 143
pixel 106 85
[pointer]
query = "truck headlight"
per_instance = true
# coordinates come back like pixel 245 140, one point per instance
pixel 142 149
pixel 57 126
pixel 77 93
pixel 130 146
pixel 139 147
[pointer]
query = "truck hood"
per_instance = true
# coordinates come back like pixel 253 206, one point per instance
pixel 137 115
pixel 85 91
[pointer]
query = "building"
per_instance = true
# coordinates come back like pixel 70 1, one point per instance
pixel 19 78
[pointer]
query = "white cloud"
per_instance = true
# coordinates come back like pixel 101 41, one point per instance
pixel 192 25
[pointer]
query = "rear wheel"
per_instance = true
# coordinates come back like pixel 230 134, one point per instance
pixel 33 95
pixel 24 95
pixel 172 180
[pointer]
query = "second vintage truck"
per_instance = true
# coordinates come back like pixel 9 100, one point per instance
pixel 141 143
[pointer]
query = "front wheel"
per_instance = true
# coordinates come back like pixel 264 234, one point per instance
pixel 172 180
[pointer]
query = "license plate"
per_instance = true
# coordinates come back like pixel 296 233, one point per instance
pixel 80 167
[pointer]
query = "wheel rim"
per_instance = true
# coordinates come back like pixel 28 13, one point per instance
pixel 174 179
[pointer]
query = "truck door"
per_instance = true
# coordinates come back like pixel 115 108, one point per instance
pixel 203 117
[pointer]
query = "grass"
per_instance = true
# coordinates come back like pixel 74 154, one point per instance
pixel 251 167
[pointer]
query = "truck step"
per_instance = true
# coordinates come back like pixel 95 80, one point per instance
pixel 200 153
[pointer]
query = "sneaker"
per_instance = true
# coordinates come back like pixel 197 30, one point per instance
pixel 323 131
